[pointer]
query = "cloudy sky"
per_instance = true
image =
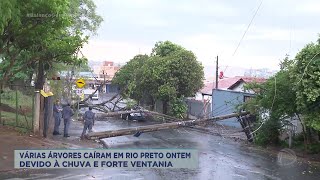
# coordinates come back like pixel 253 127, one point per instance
pixel 208 28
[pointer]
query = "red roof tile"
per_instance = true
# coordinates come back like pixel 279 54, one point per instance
pixel 229 82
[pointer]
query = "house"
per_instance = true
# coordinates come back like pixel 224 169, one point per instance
pixel 239 84
pixel 231 94
pixel 92 80
pixel 106 71
pixel 226 102
pixel 233 83
pixel 204 102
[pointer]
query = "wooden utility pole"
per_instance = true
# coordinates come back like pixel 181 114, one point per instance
pixel 157 127
pixel 104 82
pixel 217 69
pixel 36 117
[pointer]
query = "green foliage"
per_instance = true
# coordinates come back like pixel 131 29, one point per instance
pixel 268 132
pixel 170 72
pixel 24 123
pixel 306 73
pixel 130 76
pixel 130 103
pixel 29 42
pixel 313 148
pixel 8 97
pixel 165 48
pixel 274 99
pixel 178 108
pixel 294 90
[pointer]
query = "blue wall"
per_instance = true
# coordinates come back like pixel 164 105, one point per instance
pixel 225 102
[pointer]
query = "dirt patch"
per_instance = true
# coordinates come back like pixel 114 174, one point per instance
pixel 5 107
pixel 21 110
pixel 12 140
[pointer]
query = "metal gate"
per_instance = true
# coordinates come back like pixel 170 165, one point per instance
pixel 17 106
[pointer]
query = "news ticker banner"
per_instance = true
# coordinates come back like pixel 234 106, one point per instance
pixel 106 158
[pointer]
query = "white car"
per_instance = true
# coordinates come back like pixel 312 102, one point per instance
pixel 88 92
pixel 96 96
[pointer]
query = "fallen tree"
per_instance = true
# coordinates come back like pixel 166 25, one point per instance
pixel 147 112
pixel 103 105
pixel 157 127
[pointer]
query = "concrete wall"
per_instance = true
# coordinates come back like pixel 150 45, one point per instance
pixel 225 102
pixel 158 106
pixel 196 108
pixel 240 88
pixel 201 97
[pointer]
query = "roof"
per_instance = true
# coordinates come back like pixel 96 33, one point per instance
pixel 229 83
pixel 247 80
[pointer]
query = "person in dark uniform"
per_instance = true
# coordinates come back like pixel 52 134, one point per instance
pixel 57 117
pixel 67 113
pixel 88 118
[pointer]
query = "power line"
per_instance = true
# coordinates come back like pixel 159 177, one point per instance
pixel 245 32
pixel 221 112
pixel 305 69
pixel 226 102
pixel 274 97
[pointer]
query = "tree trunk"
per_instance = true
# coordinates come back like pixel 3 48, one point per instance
pixel 305 141
pixel 165 107
pixel 309 137
pixel 153 104
pixel 40 77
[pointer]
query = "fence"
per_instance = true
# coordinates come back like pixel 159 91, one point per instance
pixel 17 106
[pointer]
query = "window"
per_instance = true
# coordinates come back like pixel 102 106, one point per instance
pixel 246 98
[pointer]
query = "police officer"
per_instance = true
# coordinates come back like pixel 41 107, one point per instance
pixel 57 117
pixel 88 118
pixel 67 113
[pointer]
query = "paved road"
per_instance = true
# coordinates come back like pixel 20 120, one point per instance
pixel 219 158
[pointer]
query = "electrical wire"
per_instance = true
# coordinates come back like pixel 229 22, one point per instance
pixel 274 97
pixel 245 32
pixel 305 69
pixel 236 98
pixel 225 111
pixel 222 110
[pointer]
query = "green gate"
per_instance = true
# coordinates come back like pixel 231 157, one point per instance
pixel 17 106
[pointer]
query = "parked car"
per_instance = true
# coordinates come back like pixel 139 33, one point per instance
pixel 95 96
pixel 138 116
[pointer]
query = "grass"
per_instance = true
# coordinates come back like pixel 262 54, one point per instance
pixel 9 97
pixel 23 124
pixel 10 119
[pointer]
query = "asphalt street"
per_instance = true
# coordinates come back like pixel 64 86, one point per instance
pixel 219 158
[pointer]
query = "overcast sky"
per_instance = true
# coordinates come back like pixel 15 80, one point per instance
pixel 208 28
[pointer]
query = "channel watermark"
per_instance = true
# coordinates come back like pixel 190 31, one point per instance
pixel 286 157
pixel 49 15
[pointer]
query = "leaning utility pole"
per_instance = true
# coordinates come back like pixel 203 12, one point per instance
pixel 157 127
pixel 217 69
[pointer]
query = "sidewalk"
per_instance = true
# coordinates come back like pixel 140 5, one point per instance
pixel 11 140
pixel 75 131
